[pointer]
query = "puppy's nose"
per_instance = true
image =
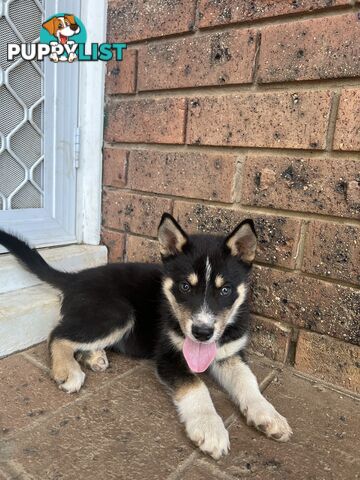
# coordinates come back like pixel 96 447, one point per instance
pixel 202 332
pixel 74 27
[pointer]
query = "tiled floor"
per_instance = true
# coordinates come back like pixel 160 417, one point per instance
pixel 122 425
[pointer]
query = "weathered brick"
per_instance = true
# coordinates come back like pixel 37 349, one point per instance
pixel 331 360
pixel 317 185
pixel 269 338
pixel 347 132
pixel 307 303
pixel 273 120
pixel 214 59
pixel 318 48
pixel 140 249
pixel 212 175
pixel 232 11
pixel 277 235
pixel 139 19
pixel 159 120
pixel 115 242
pixel 121 76
pixel 133 213
pixel 115 162
pixel 333 250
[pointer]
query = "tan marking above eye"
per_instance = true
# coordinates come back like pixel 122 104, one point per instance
pixel 219 281
pixel 193 279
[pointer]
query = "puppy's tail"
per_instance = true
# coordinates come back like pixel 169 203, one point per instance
pixel 33 262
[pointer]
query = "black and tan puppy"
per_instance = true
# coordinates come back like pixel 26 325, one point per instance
pixel 189 315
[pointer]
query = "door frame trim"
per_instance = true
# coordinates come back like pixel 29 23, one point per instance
pixel 91 123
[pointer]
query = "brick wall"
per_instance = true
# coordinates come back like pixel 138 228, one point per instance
pixel 223 110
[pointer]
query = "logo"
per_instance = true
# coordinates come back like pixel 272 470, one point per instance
pixel 63 39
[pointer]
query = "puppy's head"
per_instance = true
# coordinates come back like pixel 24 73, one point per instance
pixel 62 27
pixel 205 279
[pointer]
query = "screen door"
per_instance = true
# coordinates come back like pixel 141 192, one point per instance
pixel 38 130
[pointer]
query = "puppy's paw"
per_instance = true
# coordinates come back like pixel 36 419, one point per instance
pixel 263 416
pixel 208 432
pixel 95 360
pixel 74 381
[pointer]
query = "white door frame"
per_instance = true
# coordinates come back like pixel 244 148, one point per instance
pixel 91 121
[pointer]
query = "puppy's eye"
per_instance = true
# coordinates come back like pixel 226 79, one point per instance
pixel 184 287
pixel 225 290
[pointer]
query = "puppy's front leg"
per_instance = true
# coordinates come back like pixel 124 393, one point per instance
pixel 196 410
pixel 237 378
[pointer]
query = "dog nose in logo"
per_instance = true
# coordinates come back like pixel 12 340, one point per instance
pixel 202 332
pixel 74 27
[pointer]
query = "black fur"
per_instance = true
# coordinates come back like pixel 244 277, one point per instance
pixel 100 300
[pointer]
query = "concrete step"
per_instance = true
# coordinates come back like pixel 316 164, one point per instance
pixel 27 316
pixel 29 309
pixel 71 258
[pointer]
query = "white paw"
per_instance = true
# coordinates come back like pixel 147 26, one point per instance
pixel 263 416
pixel 208 432
pixel 74 381
pixel 98 361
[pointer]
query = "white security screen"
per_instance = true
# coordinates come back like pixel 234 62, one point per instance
pixel 38 129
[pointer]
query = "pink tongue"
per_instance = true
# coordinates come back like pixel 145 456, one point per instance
pixel 198 355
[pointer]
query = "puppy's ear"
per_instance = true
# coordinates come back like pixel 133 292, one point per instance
pixel 70 18
pixel 172 237
pixel 242 241
pixel 51 25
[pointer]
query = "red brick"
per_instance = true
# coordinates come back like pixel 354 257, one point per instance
pixel 317 185
pixel 232 11
pixel 212 175
pixel 273 120
pixel 269 338
pixel 277 236
pixel 214 59
pixel 121 76
pixel 115 163
pixel 140 249
pixel 130 212
pixel 139 19
pixel 333 250
pixel 347 132
pixel 307 303
pixel 331 360
pixel 312 49
pixel 115 242
pixel 159 120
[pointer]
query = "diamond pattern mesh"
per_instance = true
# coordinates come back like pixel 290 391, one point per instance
pixel 21 104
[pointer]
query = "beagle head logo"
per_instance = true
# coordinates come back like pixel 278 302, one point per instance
pixel 62 27
pixel 63 39
pixel 63 32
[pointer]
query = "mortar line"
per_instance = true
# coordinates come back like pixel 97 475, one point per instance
pixel 332 120
pixel 236 150
pixel 175 475
pixel 293 86
pixel 239 208
pixel 280 268
pixel 35 362
pixel 18 469
pixel 78 398
pixel 256 60
pixel 256 23
pixel 299 257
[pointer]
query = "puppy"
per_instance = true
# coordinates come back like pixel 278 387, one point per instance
pixel 62 28
pixel 190 315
